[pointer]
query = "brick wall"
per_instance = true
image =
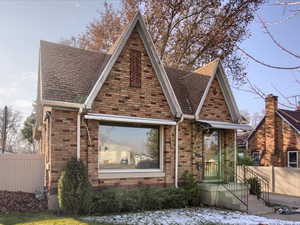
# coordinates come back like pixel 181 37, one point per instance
pixel 116 95
pixel 214 107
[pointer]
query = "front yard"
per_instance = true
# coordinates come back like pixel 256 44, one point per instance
pixel 191 216
pixel 46 218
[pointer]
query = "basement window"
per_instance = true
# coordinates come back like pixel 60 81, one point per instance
pixel 135 68
pixel 292 159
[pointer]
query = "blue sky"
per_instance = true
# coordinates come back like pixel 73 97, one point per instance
pixel 24 23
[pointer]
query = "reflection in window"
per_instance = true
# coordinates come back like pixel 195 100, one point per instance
pixel 211 154
pixel 128 147
pixel 293 159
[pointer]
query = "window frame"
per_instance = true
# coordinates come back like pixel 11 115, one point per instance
pixel 126 173
pixel 288 158
pixel 253 158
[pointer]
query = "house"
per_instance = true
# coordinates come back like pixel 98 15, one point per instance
pixel 276 139
pixel 132 120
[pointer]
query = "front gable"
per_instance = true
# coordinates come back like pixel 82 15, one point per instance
pixel 217 102
pixel 155 90
pixel 118 97
pixel 214 106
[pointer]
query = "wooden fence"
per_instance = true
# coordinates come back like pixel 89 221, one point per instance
pixel 283 180
pixel 21 172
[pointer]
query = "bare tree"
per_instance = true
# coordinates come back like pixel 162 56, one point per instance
pixel 186 33
pixel 13 124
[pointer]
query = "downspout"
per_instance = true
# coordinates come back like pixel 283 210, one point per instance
pixel 78 133
pixel 177 150
pixel 235 154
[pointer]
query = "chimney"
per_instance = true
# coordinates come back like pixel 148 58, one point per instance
pixel 271 107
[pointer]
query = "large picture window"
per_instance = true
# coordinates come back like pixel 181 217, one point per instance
pixel 127 147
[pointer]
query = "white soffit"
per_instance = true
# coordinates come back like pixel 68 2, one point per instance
pixel 128 119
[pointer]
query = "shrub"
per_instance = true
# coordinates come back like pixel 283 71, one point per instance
pixel 191 188
pixel 255 186
pixel 74 189
pixel 116 200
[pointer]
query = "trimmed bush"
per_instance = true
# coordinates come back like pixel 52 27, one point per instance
pixel 116 200
pixel 255 187
pixel 74 189
pixel 191 188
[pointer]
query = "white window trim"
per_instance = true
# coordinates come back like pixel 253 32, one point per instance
pixel 288 161
pixel 136 173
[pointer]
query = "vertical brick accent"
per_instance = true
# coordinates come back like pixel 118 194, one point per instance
pixel 135 68
pixel 215 107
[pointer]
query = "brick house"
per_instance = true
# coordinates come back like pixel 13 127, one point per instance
pixel 129 118
pixel 276 139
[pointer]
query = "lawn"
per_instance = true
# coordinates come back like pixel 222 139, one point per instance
pixel 41 219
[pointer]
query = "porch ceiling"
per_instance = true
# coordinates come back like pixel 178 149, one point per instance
pixel 226 125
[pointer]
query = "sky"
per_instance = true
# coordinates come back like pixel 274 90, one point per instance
pixel 25 22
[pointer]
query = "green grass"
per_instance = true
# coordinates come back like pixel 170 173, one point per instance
pixel 46 218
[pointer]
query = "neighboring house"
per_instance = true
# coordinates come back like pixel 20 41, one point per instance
pixel 276 139
pixel 154 122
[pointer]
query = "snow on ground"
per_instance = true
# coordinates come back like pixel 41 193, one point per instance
pixel 192 216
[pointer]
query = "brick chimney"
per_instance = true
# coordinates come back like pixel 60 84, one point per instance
pixel 271 107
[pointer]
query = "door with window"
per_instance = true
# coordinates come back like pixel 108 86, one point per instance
pixel 212 155
pixel 292 159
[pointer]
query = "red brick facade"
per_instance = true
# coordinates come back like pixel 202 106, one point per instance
pixel 215 107
pixel 117 97
pixel 274 137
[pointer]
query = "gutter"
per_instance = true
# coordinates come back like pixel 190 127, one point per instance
pixel 177 150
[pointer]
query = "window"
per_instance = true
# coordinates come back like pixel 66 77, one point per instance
pixel 293 159
pixel 256 158
pixel 211 154
pixel 127 147
pixel 135 69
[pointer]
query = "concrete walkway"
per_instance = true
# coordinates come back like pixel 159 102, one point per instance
pixel 286 200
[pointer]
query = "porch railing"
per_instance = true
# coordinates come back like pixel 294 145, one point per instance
pixel 260 185
pixel 237 186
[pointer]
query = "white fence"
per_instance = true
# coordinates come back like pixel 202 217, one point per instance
pixel 283 180
pixel 21 172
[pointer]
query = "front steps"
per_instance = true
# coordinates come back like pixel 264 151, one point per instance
pixel 217 195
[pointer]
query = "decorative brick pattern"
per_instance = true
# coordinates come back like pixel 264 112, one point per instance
pixel 215 107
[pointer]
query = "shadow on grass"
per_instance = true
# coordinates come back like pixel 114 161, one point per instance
pixel 41 219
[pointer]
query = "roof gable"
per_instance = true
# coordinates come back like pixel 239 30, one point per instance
pixel 139 24
pixel 291 117
pixel 217 72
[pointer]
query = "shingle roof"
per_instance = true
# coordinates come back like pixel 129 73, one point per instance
pixel 293 117
pixel 68 74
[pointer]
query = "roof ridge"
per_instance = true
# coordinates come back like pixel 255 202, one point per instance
pixel 290 116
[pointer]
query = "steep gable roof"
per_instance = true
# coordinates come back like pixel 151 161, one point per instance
pixel 215 70
pixel 68 74
pixel 137 23
pixel 292 117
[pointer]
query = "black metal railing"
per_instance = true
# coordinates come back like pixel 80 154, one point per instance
pixel 237 186
pixel 259 185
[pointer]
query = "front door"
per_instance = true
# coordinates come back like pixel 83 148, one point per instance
pixel 212 156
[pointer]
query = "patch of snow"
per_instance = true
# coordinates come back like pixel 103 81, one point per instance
pixel 191 216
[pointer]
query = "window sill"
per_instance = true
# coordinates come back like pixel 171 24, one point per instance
pixel 130 174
